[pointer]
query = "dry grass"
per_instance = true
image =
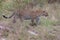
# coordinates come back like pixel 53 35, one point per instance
pixel 19 31
pixel 47 30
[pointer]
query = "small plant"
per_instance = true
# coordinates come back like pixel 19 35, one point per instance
pixel 5 33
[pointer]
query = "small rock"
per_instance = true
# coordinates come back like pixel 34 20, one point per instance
pixel 33 33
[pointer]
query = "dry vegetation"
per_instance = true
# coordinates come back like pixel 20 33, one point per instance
pixel 48 29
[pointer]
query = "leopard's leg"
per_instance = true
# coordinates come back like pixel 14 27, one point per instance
pixel 14 19
pixel 32 22
pixel 37 20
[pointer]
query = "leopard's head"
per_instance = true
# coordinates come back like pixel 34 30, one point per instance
pixel 44 13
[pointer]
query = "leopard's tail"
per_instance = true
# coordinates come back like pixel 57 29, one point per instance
pixel 9 16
